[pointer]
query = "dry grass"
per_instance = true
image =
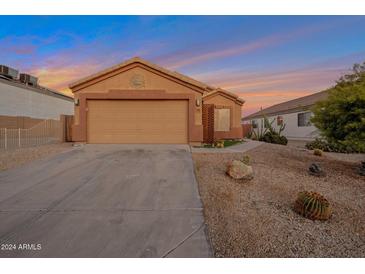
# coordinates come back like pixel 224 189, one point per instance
pixel 14 158
pixel 255 218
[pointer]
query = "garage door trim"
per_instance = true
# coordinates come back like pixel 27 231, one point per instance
pixel 194 131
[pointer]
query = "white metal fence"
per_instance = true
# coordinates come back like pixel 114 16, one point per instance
pixel 46 132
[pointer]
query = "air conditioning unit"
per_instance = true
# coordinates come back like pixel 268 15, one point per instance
pixel 28 79
pixel 8 72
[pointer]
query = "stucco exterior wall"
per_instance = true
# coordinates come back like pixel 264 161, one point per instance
pixel 236 128
pixel 152 81
pixel 292 130
pixel 17 101
pixel 152 85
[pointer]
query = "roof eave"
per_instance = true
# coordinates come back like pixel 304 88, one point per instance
pixel 226 94
pixel 202 86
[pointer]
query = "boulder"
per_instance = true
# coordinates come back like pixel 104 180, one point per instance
pixel 238 170
pixel 315 170
pixel 362 169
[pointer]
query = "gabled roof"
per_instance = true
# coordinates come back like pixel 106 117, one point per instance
pixel 298 104
pixel 139 60
pixel 224 93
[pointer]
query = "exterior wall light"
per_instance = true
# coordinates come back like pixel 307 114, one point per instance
pixel 76 101
pixel 197 102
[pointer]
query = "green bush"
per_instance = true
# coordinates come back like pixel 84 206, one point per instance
pixel 331 147
pixel 341 117
pixel 268 133
pixel 274 138
pixel 318 144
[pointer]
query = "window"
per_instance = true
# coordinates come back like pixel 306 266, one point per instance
pixel 254 124
pixel 222 119
pixel 279 120
pixel 304 119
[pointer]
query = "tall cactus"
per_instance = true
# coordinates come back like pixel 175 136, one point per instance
pixel 281 129
pixel 313 206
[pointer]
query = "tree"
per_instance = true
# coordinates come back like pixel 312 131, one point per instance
pixel 341 117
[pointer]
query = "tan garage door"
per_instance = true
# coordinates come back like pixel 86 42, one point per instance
pixel 137 121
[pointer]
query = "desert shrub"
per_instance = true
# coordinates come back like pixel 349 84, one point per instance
pixel 324 145
pixel 313 206
pixel 283 140
pixel 274 138
pixel 269 134
pixel 318 152
pixel 318 144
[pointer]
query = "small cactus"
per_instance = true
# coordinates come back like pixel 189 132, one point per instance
pixel 313 206
pixel 219 144
pixel 246 159
pixel 317 152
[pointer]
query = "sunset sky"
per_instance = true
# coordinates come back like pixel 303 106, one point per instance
pixel 264 59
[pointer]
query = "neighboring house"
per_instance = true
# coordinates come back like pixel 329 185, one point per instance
pixel 295 114
pixel 24 97
pixel 140 102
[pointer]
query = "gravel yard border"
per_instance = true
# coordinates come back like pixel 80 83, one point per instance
pixel 256 219
pixel 15 158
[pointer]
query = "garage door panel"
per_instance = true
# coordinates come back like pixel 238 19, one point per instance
pixel 137 121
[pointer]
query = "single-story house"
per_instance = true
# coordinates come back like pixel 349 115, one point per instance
pixel 140 102
pixel 295 114
pixel 22 97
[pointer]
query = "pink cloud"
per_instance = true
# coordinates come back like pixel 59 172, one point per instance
pixel 297 78
pixel 269 88
pixel 18 45
pixel 58 77
pixel 268 98
pixel 266 89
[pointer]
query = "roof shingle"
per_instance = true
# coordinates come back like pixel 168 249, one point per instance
pixel 290 106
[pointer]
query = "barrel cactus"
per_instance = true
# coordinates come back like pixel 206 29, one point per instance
pixel 313 206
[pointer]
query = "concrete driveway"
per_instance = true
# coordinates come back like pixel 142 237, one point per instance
pixel 104 201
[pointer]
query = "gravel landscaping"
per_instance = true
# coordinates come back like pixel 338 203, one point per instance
pixel 255 218
pixel 14 158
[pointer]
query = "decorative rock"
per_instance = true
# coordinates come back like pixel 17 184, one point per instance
pixel 238 170
pixel 218 144
pixel 315 170
pixel 76 145
pixel 362 169
pixel 246 159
